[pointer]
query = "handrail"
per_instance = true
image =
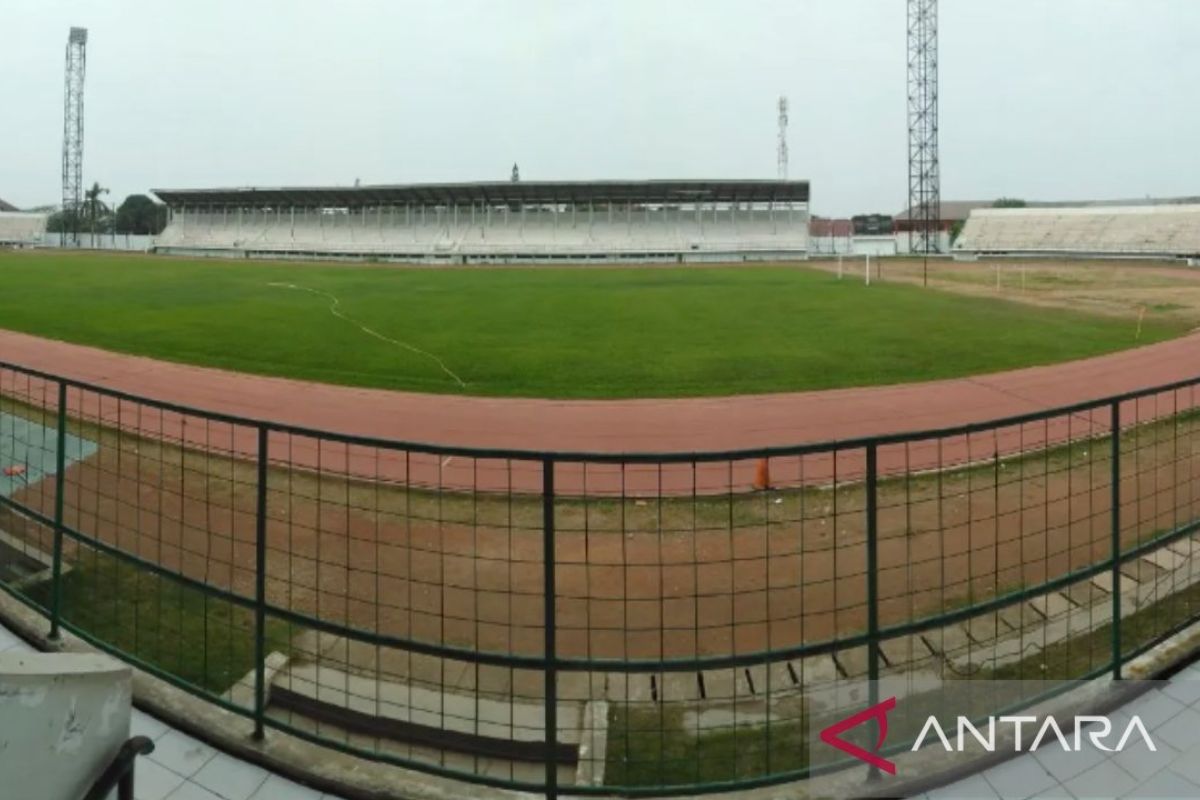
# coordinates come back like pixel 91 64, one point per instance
pixel 119 773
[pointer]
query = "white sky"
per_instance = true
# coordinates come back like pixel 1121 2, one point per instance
pixel 1042 99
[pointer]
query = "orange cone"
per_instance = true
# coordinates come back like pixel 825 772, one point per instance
pixel 762 475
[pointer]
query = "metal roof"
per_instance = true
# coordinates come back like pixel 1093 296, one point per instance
pixel 951 210
pixel 498 192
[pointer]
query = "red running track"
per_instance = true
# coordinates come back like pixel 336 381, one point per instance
pixel 611 426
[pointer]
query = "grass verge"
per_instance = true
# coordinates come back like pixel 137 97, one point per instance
pixel 205 642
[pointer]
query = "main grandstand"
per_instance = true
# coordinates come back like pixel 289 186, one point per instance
pixel 1167 230
pixel 512 221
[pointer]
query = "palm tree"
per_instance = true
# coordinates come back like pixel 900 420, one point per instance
pixel 94 206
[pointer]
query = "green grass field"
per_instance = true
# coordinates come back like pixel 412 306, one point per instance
pixel 571 332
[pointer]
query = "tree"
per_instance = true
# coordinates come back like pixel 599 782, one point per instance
pixel 1009 202
pixel 140 215
pixel 65 221
pixel 98 215
pixel 956 230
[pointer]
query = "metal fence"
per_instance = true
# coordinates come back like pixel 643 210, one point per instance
pixel 643 624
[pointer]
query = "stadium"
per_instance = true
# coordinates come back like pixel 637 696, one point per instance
pixel 615 488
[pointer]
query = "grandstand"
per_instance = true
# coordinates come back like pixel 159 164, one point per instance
pixel 22 228
pixel 670 220
pixel 1144 231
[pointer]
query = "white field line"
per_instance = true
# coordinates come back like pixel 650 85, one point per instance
pixel 335 309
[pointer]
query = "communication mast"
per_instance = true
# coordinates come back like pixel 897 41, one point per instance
pixel 72 153
pixel 781 157
pixel 924 169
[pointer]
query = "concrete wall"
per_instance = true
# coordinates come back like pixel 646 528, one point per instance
pixel 829 245
pixel 902 243
pixel 63 716
pixel 875 245
pixel 102 241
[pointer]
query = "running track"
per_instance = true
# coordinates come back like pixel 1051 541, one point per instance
pixel 613 426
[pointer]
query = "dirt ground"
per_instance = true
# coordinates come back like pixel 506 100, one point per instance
pixel 1116 288
pixel 635 578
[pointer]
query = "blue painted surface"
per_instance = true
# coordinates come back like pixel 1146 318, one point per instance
pixel 29 444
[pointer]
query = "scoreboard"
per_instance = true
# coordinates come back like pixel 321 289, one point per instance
pixel 872 225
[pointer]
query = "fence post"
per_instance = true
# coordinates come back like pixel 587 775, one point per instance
pixel 260 586
pixel 549 647
pixel 60 467
pixel 1115 459
pixel 872 583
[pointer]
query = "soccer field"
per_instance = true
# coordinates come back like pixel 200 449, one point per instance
pixel 543 332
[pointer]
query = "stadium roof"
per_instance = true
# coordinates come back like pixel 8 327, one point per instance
pixel 951 210
pixel 961 209
pixel 527 192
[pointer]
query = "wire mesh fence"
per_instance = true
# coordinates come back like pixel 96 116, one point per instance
pixel 598 623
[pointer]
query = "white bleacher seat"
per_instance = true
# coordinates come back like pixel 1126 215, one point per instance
pixel 1167 230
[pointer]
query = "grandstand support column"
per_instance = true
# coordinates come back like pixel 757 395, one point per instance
pixel 924 170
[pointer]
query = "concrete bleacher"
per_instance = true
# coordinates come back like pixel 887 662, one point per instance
pixel 439 233
pixel 1169 230
pixel 18 227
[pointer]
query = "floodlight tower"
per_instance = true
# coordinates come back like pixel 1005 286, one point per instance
pixel 924 169
pixel 781 156
pixel 72 154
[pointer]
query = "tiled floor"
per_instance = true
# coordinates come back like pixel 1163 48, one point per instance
pixel 1172 716
pixel 184 768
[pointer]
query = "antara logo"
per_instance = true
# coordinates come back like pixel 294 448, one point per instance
pixel 1099 737
pixel 833 735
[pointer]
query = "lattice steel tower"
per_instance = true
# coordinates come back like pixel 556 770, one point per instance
pixel 781 155
pixel 72 154
pixel 924 170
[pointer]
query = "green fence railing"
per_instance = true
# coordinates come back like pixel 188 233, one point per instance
pixel 598 623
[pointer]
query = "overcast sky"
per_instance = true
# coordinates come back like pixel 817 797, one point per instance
pixel 1043 99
